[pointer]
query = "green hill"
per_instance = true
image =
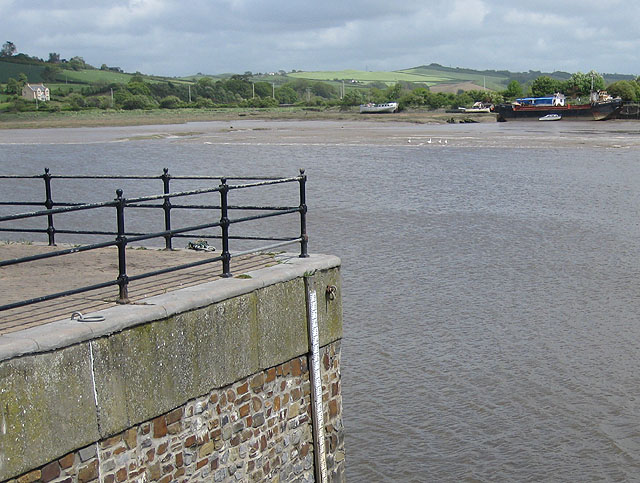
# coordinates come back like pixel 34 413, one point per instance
pixel 13 69
pixel 432 75
pixel 367 77
pixel 441 78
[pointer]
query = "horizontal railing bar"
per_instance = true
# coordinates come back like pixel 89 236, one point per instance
pixel 265 215
pixel 66 293
pixel 214 207
pixel 21 203
pixel 53 211
pixel 150 177
pixel 160 234
pixel 20 176
pixel 219 237
pixel 23 230
pixel 171 195
pixel 42 256
pixel 264 183
pixel 268 247
pixel 226 177
pixel 90 232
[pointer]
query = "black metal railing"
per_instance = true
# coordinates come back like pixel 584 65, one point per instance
pixel 123 237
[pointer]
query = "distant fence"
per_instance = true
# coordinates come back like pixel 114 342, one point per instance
pixel 53 210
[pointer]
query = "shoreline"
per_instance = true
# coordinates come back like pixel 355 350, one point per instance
pixel 41 120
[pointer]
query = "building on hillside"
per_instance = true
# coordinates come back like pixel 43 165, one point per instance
pixel 36 91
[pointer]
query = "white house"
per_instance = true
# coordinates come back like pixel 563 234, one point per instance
pixel 36 91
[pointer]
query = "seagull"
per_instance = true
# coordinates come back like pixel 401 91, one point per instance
pixel 439 141
pixel 429 141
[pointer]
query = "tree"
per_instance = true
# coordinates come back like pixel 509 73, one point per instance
pixel 170 102
pixel 50 73
pixel 544 86
pixel 323 89
pixel 8 49
pixel 514 89
pixel 22 80
pixel 286 95
pixel 138 101
pixel 263 89
pixel 392 93
pixel 239 84
pixel 352 97
pixel 77 63
pixel 580 84
pixel 12 86
pixel 626 90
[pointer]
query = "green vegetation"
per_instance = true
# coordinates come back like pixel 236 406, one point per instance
pixel 76 86
pixel 89 76
pixel 355 76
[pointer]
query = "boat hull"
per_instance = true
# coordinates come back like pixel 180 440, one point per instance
pixel 586 112
pixel 378 108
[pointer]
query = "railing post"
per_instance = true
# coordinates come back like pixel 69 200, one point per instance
pixel 224 225
pixel 304 239
pixel 166 206
pixel 123 279
pixel 48 203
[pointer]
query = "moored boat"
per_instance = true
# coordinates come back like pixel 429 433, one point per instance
pixel 601 107
pixel 551 117
pixel 372 108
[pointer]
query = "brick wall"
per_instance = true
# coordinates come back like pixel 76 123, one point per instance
pixel 256 429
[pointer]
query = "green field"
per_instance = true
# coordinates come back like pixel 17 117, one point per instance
pixel 493 82
pixel 388 77
pixel 429 75
pixel 11 69
pixel 87 76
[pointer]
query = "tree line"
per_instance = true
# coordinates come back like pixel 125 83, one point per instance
pixel 242 91
pixel 140 92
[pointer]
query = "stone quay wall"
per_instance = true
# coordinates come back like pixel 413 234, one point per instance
pixel 209 383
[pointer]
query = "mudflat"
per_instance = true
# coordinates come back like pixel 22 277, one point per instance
pixel 354 131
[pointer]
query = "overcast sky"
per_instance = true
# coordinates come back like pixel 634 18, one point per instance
pixel 175 38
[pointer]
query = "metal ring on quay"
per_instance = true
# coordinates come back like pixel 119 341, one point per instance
pixel 90 318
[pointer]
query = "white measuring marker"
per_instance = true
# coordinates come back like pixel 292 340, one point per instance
pixel 316 380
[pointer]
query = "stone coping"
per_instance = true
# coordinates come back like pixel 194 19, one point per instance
pixel 66 332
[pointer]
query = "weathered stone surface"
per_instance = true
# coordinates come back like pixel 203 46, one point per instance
pixel 88 473
pixel 212 392
pixel 39 394
pixel 131 438
pixel 282 317
pixel 30 477
pixel 159 427
pixel 50 471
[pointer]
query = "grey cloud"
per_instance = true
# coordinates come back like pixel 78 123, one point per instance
pixel 180 38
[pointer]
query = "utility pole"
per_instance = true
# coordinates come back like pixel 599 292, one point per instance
pixel 253 90
pixel 112 98
pixel 273 88
pixel 189 93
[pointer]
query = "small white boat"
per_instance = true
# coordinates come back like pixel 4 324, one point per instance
pixel 376 108
pixel 550 117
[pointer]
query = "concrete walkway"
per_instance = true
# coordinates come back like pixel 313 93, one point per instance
pixel 35 279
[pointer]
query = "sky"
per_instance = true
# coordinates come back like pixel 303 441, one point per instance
pixel 177 38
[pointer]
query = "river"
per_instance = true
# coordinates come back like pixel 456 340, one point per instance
pixel 491 279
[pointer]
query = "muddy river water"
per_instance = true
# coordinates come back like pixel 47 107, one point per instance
pixel 491 279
